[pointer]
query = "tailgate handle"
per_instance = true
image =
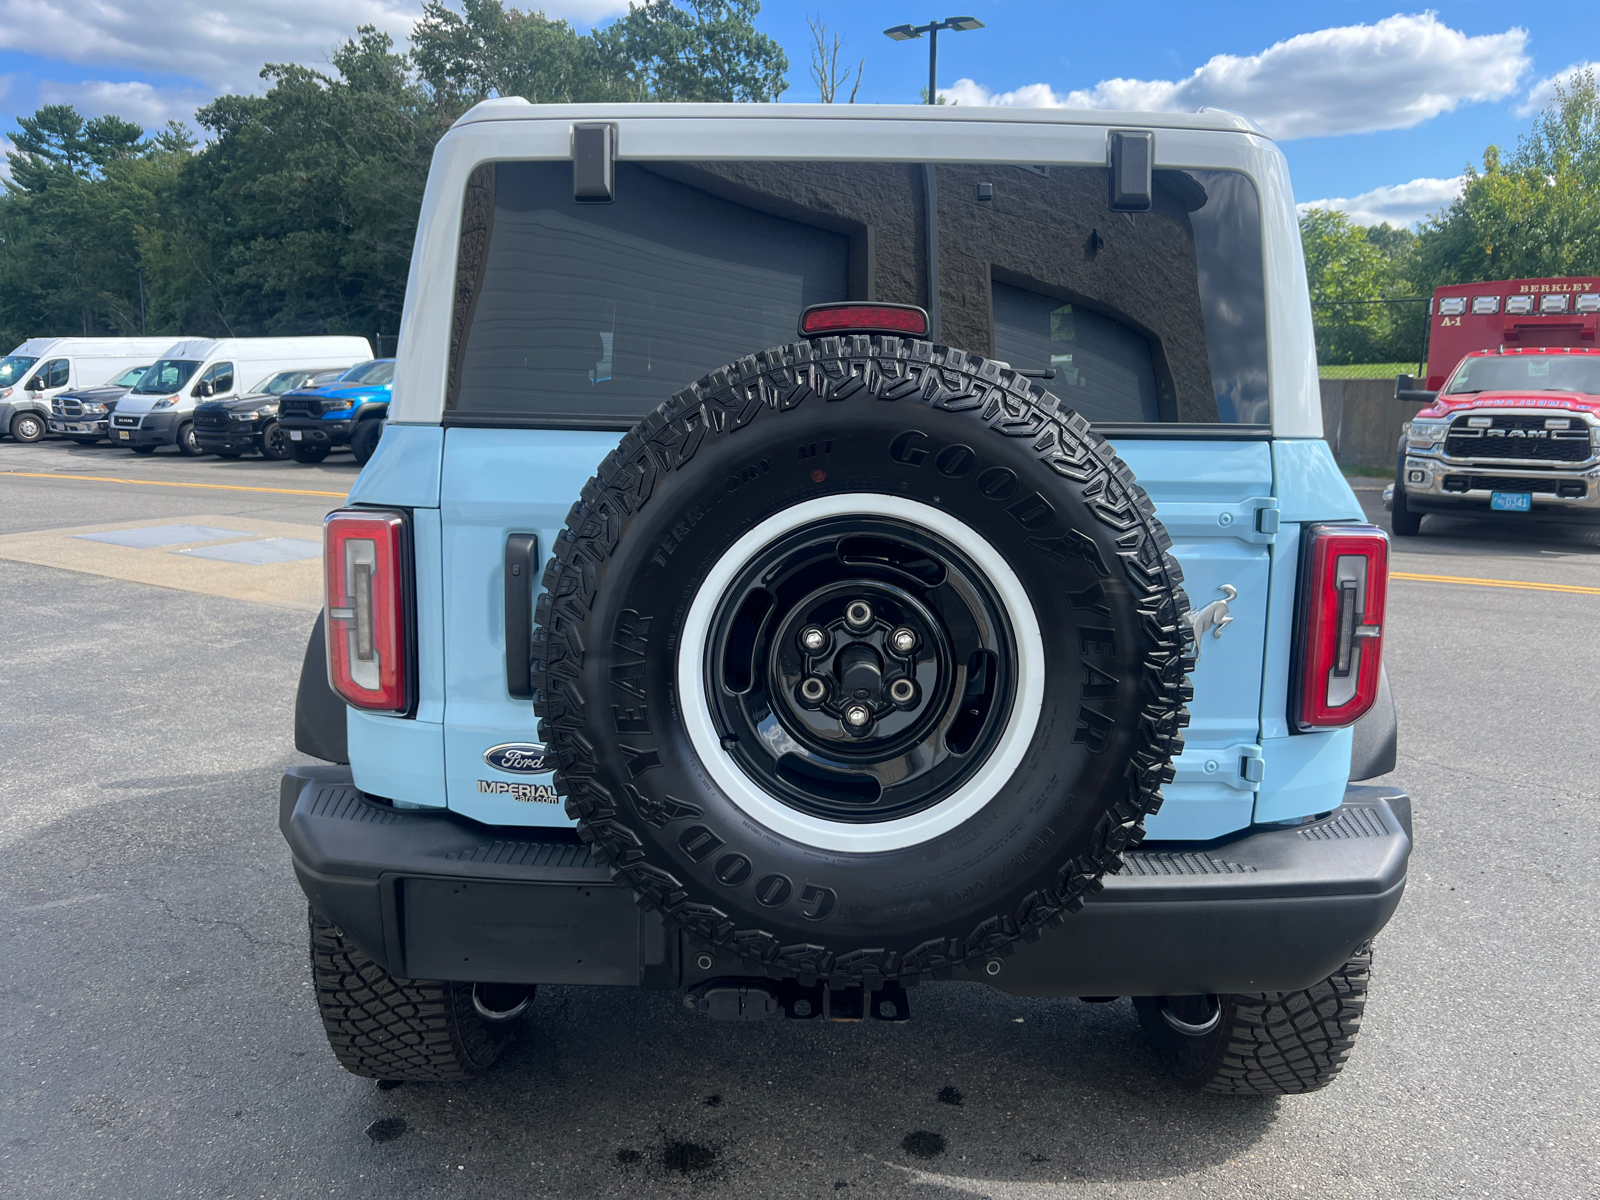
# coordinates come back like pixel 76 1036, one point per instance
pixel 522 560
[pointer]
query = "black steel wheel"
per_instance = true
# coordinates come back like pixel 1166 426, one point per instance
pixel 862 667
pixel 274 442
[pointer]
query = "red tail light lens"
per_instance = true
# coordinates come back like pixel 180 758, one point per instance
pixel 365 565
pixel 820 320
pixel 1343 587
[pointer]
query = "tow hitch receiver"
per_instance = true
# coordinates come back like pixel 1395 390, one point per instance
pixel 751 1000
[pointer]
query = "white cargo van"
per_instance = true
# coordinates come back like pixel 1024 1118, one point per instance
pixel 159 411
pixel 42 368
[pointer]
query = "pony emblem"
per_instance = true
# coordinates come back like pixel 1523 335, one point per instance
pixel 1213 617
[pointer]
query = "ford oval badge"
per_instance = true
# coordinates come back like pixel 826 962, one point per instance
pixel 519 758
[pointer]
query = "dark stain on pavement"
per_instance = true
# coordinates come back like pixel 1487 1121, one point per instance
pixel 923 1144
pixel 688 1157
pixel 386 1129
pixel 949 1095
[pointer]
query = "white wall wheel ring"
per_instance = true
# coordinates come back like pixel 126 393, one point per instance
pixel 1004 756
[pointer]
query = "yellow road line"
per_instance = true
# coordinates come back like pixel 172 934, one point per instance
pixel 1504 583
pixel 221 487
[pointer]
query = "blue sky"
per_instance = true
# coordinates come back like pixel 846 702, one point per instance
pixel 1376 104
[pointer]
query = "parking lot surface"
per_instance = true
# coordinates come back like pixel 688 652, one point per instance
pixel 161 1038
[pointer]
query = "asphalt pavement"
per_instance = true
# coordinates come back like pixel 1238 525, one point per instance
pixel 160 1037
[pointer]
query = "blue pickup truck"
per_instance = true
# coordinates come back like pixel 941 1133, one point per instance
pixel 348 411
pixel 816 553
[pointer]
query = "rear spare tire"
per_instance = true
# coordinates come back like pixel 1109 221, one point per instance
pixel 860 659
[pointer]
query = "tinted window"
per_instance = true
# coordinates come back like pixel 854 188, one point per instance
pixel 1103 370
pixel 220 377
pixel 607 309
pixel 595 313
pixel 55 373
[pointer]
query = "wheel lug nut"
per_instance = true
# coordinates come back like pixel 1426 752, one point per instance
pixel 858 613
pixel 857 715
pixel 813 689
pixel 903 640
pixel 813 638
pixel 901 690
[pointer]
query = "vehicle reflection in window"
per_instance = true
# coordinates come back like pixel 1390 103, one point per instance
pixel 1103 369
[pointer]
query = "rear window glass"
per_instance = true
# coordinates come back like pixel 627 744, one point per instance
pixel 593 314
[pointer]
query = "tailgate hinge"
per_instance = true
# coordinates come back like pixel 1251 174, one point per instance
pixel 1252 766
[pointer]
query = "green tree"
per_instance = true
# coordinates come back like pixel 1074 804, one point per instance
pixel 489 50
pixel 298 214
pixel 304 207
pixel 1350 270
pixel 1533 212
pixel 84 198
pixel 705 50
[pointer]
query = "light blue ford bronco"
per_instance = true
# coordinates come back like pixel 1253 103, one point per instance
pixel 815 552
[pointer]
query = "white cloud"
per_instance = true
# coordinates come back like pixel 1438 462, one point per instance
pixel 7 146
pixel 1400 204
pixel 1543 94
pixel 1393 74
pixel 222 45
pixel 150 106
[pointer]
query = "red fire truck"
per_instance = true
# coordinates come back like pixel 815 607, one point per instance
pixel 1511 422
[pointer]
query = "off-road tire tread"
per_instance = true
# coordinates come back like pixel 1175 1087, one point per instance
pixel 903 371
pixel 1271 1043
pixel 380 1027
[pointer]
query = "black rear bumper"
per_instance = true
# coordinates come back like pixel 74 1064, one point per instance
pixel 432 895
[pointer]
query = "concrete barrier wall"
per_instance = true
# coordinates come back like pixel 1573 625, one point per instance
pixel 1361 420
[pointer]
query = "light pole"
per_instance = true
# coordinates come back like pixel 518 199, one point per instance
pixel 910 33
pixel 139 271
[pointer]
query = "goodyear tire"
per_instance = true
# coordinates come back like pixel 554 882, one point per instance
pixel 861 659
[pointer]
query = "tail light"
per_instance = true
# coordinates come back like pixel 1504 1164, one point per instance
pixel 367 568
pixel 1344 581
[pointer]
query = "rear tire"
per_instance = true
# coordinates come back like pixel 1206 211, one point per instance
pixel 188 443
pixel 229 453
pixel 142 449
pixel 1261 1044
pixel 364 441
pixel 307 454
pixel 1404 522
pixel 27 427
pixel 413 1030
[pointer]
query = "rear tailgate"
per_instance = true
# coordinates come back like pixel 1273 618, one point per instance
pixel 1215 499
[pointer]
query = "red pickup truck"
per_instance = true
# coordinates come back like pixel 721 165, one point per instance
pixel 1511 422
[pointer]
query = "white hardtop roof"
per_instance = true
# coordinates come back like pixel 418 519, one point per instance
pixel 106 346
pixel 200 348
pixel 515 108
